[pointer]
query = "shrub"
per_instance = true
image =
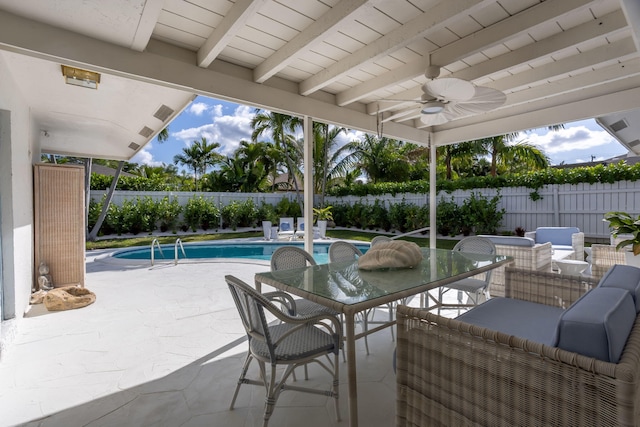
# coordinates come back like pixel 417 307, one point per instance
pixel 248 214
pixel 231 215
pixel 380 215
pixel 200 213
pixel 267 212
pixel 484 213
pixel 168 213
pixel 448 218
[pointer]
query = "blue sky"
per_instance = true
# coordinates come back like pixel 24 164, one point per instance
pixel 228 124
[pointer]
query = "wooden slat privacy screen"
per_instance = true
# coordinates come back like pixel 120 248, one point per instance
pixel 60 222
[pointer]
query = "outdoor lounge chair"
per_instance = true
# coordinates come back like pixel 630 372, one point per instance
pixel 299 228
pixel 296 341
pixel 285 228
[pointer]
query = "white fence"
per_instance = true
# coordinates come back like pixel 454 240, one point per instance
pixel 581 205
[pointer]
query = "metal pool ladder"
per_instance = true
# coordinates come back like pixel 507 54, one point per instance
pixel 175 250
pixel 154 243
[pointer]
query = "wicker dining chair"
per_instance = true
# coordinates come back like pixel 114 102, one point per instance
pixel 346 251
pixel 296 341
pixel 380 239
pixel 290 257
pixel 473 287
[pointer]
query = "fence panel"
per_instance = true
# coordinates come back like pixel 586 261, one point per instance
pixel 581 205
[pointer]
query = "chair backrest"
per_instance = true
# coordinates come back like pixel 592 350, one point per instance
pixel 289 224
pixel 251 304
pixel 288 257
pixel 603 257
pixel 300 224
pixel 380 239
pixel 477 245
pixel 343 251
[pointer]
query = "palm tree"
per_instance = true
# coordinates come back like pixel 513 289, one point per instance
pixel 280 127
pixel 163 135
pixel 508 155
pixel 381 159
pixel 199 156
pixel 325 156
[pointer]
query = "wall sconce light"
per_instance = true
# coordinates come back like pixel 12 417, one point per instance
pixel 82 78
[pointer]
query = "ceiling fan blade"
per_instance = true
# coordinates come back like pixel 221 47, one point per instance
pixel 400 100
pixel 485 99
pixel 450 89
pixel 435 119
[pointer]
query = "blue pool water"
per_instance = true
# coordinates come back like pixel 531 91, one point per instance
pixel 252 250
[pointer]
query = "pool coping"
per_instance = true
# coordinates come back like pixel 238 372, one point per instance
pixel 108 258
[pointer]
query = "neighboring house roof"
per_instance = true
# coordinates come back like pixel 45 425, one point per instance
pixel 628 158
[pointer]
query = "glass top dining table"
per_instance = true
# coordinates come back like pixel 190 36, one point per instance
pixel 347 289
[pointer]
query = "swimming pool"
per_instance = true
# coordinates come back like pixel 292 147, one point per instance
pixel 243 250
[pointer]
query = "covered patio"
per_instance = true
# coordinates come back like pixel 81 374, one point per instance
pixel 155 350
pixel 429 72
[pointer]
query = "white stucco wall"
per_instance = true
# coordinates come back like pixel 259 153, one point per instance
pixel 18 151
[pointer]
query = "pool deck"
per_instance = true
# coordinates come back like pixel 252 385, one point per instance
pixel 163 346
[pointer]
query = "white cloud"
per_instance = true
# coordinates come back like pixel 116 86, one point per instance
pixel 228 130
pixel 217 110
pixel 144 157
pixel 570 139
pixel 578 142
pixel 198 108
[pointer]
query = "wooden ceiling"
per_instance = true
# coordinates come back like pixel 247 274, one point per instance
pixel 343 62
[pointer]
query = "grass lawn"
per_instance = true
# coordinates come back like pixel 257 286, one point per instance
pixel 336 234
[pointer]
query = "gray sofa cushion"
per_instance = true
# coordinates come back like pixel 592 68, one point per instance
pixel 625 277
pixel 556 235
pixel 510 240
pixel 524 319
pixel 598 324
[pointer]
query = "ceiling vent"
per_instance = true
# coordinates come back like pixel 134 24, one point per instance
pixel 134 146
pixel 619 125
pixel 163 113
pixel 634 144
pixel 146 132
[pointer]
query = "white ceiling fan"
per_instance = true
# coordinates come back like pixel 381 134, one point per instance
pixel 447 98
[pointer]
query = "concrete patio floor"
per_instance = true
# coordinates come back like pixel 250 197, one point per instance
pixel 163 346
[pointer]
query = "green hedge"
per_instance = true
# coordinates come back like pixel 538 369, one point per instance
pixel 534 180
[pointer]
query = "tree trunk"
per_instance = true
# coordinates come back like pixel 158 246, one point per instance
pixel 105 207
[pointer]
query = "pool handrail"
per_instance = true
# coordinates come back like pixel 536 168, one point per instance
pixel 175 250
pixel 156 243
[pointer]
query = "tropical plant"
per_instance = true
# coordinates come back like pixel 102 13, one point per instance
pixel 622 223
pixel 322 214
pixel 199 156
pixel 520 155
pixel 381 159
pixel 281 127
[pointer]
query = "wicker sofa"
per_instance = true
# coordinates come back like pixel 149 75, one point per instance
pixel 527 255
pixel 454 373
